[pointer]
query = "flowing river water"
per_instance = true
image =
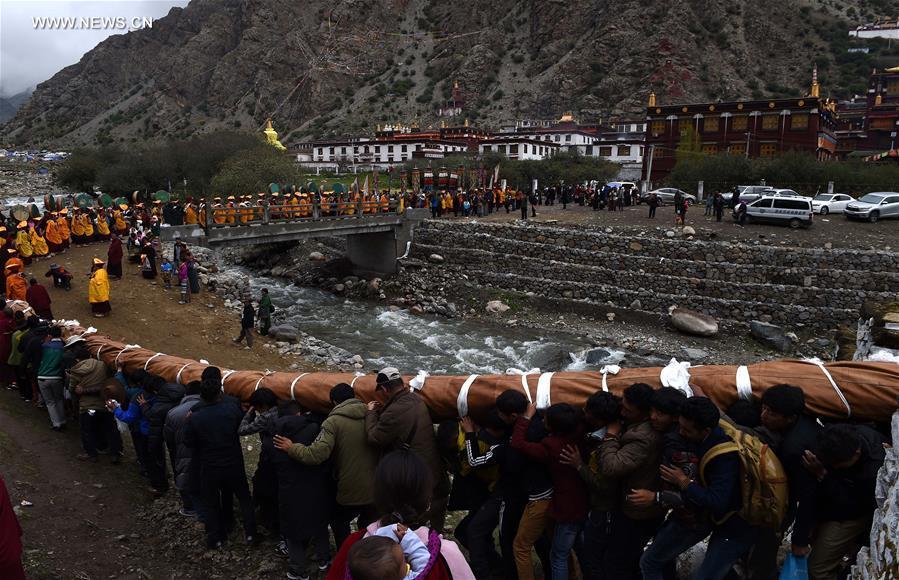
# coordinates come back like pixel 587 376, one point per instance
pixel 385 336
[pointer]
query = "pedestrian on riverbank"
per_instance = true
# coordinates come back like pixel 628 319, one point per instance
pixel 266 309
pixel 719 206
pixel 653 202
pixel 247 320
pixel 709 203
pixel 98 289
pixel 184 279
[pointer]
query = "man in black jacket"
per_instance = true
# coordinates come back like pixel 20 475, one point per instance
pixel 715 492
pixel 789 432
pixel 247 321
pixel 211 433
pixel 168 395
pixel 845 467
pixel 529 530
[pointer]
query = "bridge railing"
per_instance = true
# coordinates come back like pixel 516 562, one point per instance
pixel 223 217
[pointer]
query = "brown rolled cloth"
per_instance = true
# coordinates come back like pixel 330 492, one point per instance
pixel 863 391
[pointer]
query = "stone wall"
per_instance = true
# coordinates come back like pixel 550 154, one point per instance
pixel 788 286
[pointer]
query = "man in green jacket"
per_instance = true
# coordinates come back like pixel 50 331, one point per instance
pixel 343 439
pixel 266 309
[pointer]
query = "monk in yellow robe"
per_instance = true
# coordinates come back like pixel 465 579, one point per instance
pixel 23 244
pixel 38 244
pixel 120 226
pixel 190 215
pixel 16 287
pixel 98 289
pixel 88 228
pixel 53 240
pixel 103 227
pixel 78 230
pixel 62 225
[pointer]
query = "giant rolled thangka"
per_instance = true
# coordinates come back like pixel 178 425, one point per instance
pixel 861 391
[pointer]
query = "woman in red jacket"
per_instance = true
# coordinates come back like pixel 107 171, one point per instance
pixel 10 539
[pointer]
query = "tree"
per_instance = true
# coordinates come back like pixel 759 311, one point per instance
pixel 251 171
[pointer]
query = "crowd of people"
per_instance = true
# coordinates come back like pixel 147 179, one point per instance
pixel 616 489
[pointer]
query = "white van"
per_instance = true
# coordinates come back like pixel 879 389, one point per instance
pixel 791 211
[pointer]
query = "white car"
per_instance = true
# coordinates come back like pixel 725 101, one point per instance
pixel 786 193
pixel 825 203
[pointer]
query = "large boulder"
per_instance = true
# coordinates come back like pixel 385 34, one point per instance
pixel 316 257
pixel 550 360
pixel 771 335
pixel 596 356
pixel 436 259
pixel 497 306
pixel 692 322
pixel 284 332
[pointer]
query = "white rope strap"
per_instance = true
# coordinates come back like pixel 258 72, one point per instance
pixel 744 384
pixel 462 398
pixel 225 378
pixel 606 371
pixel 99 350
pixel 353 382
pixel 524 385
pixel 294 383
pixel 544 386
pixel 833 383
pixel 262 378
pixel 181 370
pixel 127 347
pixel 146 364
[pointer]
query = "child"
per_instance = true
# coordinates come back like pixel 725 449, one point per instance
pixel 413 549
pixel 183 279
pixel 166 273
pixel 376 558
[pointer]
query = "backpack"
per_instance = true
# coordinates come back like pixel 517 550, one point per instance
pixel 764 491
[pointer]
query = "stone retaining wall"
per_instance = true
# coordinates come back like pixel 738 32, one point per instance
pixel 788 286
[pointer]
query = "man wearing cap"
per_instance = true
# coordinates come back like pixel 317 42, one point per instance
pixel 403 422
pixel 98 289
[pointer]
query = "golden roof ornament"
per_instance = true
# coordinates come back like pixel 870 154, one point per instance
pixel 652 99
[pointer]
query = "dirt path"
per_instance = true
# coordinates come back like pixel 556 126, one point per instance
pixel 145 314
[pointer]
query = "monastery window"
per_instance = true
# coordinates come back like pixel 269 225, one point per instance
pixel 377 148
pixel 343 150
pixel 330 150
pixel 513 149
pixel 605 151
pixel 488 148
pixel 657 128
pixel 405 148
pixel 710 124
pixel 390 148
pixel 710 149
pixel 768 149
pixel 737 148
pixel 739 122
pixel 588 150
pixel 893 87
pixel 321 151
pixel 624 151
pixel 799 121
pixel 568 138
pixel 684 124
pixel 770 122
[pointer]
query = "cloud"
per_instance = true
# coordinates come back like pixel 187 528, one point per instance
pixel 30 54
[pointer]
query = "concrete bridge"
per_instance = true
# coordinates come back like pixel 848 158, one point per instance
pixel 374 240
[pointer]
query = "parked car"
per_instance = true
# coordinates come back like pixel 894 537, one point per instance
pixel 666 195
pixel 786 193
pixel 825 203
pixel 750 193
pixel 873 206
pixel 793 211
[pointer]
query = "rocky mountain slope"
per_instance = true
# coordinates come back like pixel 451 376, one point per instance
pixel 9 105
pixel 333 67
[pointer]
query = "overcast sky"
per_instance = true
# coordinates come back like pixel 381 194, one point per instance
pixel 29 54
